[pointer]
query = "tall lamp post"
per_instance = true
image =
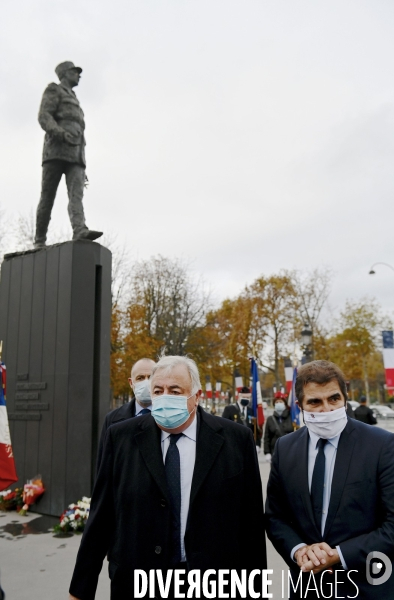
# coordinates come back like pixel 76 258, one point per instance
pixel 306 342
pixel 372 271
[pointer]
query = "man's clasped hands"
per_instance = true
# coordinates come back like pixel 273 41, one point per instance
pixel 316 557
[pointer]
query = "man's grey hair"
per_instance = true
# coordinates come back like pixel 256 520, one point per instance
pixel 168 363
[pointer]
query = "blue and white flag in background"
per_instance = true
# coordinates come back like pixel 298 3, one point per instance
pixel 294 408
pixel 257 401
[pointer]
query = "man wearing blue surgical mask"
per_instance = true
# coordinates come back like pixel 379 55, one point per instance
pixel 171 492
pixel 330 495
pixel 140 405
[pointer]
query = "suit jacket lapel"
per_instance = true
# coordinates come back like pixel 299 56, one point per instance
pixel 209 443
pixel 149 444
pixel 304 484
pixel 342 463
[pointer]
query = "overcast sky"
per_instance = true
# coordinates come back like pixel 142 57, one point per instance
pixel 247 135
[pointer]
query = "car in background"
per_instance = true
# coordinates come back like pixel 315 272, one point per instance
pixel 353 404
pixel 382 411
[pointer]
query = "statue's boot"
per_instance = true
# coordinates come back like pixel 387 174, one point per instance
pixel 88 234
pixel 42 222
pixel 39 245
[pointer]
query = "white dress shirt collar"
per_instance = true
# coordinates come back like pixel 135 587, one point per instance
pixel 315 438
pixel 190 432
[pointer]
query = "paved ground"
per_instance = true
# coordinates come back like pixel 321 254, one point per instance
pixel 38 566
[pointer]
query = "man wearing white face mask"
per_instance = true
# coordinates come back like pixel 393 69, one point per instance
pixel 330 496
pixel 171 492
pixel 140 405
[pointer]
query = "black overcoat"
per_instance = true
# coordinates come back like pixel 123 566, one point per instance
pixel 130 515
pixel 124 412
pixel 275 429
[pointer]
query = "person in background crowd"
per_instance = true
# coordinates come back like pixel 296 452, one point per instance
pixel 177 489
pixel 242 412
pixel 330 495
pixel 363 413
pixel 140 405
pixel 277 425
pixel 238 412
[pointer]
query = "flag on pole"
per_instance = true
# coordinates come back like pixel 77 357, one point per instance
pixel 388 359
pixel 218 389
pixel 257 401
pixel 7 464
pixel 294 408
pixel 238 381
pixel 208 386
pixel 288 375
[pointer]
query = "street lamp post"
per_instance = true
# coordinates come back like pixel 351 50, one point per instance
pixel 372 271
pixel 306 342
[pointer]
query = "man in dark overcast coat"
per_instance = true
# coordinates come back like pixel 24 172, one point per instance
pixel 138 406
pixel 132 517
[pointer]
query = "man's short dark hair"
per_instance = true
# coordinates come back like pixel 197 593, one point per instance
pixel 321 372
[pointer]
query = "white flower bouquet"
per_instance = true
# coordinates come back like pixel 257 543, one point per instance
pixel 74 517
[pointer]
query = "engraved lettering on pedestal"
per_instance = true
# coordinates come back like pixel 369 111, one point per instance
pixel 28 416
pixel 31 406
pixel 31 386
pixel 22 376
pixel 27 396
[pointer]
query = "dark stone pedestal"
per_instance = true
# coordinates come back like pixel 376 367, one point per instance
pixel 55 323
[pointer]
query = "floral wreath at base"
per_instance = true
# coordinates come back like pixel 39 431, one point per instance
pixel 74 518
pixel 11 499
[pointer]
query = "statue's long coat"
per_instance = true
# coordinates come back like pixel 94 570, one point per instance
pixel 60 111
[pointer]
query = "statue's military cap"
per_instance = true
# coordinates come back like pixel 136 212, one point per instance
pixel 65 66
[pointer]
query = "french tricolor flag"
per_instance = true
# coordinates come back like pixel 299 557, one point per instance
pixel 388 358
pixel 257 400
pixel 208 386
pixel 218 389
pixel 238 381
pixel 288 375
pixel 7 464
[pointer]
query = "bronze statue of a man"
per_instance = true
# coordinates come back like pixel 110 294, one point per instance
pixel 62 118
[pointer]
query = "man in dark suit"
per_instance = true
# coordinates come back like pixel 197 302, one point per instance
pixel 140 405
pixel 242 413
pixel 173 491
pixel 363 413
pixel 238 412
pixel 330 496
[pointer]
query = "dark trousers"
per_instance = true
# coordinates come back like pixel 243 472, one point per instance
pixel 52 172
